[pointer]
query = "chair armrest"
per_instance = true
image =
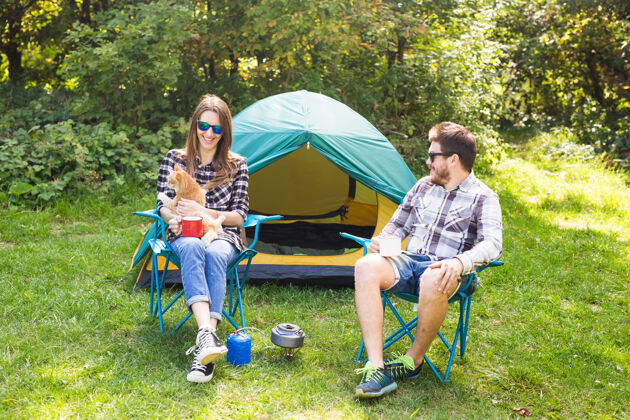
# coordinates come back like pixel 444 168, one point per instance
pixel 158 246
pixel 148 213
pixel 256 220
pixel 470 277
pixel 160 224
pixel 364 242
pixel 496 263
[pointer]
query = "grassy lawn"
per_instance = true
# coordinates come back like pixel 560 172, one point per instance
pixel 550 331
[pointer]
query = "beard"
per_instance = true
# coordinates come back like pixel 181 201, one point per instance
pixel 440 176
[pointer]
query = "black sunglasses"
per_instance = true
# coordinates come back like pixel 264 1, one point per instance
pixel 434 154
pixel 204 126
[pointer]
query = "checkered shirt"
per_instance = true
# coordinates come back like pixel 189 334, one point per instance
pixel 232 197
pixel 464 222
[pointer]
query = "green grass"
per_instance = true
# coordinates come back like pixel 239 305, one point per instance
pixel 550 330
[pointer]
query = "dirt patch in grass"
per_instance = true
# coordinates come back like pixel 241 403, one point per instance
pixel 59 228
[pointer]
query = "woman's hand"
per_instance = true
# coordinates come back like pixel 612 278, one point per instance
pixel 175 225
pixel 187 207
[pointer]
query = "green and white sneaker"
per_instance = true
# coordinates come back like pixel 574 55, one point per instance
pixel 402 367
pixel 375 382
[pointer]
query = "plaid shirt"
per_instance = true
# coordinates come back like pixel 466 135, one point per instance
pixel 464 222
pixel 232 197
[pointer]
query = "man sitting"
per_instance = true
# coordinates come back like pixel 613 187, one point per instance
pixel 454 225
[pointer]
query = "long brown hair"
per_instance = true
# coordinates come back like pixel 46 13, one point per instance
pixel 225 161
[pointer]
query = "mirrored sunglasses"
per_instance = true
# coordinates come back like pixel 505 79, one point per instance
pixel 204 126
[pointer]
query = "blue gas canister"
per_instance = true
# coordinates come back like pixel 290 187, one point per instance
pixel 239 345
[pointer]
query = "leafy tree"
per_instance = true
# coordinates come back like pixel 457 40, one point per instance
pixel 569 62
pixel 31 34
pixel 127 63
pixel 14 33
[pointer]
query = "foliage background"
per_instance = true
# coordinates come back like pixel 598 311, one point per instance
pixel 119 79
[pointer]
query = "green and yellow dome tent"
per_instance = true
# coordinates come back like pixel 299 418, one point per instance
pixel 326 170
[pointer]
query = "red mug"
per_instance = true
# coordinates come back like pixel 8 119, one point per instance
pixel 192 227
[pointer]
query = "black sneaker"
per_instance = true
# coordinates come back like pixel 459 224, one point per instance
pixel 375 382
pixel 208 346
pixel 402 367
pixel 200 373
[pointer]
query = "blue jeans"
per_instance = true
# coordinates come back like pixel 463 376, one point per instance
pixel 203 271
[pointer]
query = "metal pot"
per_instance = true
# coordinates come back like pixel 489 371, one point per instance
pixel 287 335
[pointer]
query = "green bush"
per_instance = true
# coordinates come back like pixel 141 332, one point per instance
pixel 610 134
pixel 490 150
pixel 25 107
pixel 41 163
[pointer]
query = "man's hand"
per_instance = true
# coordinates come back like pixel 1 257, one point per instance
pixel 375 245
pixel 450 272
pixel 175 225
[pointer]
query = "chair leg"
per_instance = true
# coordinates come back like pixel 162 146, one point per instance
pixel 240 301
pixel 406 328
pixel 233 305
pixel 235 292
pixel 158 293
pixel 461 332
pixel 360 353
pixel 464 337
pixel 159 288
pixel 154 280
pixel 182 321
pixel 451 355
pixel 158 308
pixel 434 370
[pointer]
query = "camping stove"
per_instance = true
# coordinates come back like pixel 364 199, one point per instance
pixel 288 336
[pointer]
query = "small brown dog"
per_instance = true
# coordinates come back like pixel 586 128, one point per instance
pixel 186 187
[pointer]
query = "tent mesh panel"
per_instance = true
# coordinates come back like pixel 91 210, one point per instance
pixel 303 238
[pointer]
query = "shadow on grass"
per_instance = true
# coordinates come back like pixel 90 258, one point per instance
pixel 555 316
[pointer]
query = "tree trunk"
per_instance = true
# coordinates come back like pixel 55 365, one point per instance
pixel 14 55
pixel 402 41
pixel 211 70
pixel 12 47
pixel 212 74
pixel 234 66
pixel 593 76
pixel 84 14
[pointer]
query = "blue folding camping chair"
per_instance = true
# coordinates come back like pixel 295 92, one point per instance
pixel 463 296
pixel 160 247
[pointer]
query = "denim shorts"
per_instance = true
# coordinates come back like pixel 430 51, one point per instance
pixel 408 269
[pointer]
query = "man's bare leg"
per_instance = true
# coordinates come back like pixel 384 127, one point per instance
pixel 432 307
pixel 372 274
